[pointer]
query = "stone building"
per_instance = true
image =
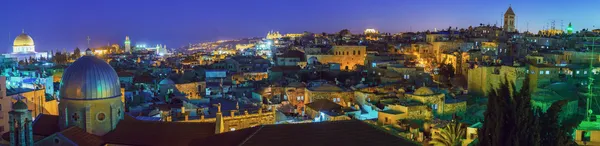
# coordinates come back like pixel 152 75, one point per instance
pixel 329 92
pixel 509 20
pixel 347 56
pixel 483 79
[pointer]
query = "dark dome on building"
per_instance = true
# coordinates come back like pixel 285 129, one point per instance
pixel 19 105
pixel 89 78
pixel 166 81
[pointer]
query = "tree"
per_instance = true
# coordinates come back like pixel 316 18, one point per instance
pixel 76 53
pixel 451 135
pixel 510 119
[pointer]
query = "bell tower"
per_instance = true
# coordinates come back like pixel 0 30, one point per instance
pixel 509 20
pixel 20 125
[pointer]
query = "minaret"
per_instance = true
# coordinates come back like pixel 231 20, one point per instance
pixel 509 20
pixel 20 123
pixel 570 29
pixel 127 45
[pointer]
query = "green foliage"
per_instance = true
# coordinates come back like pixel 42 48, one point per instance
pixel 511 120
pixel 451 135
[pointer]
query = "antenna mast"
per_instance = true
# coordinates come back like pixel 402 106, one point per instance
pixel 588 106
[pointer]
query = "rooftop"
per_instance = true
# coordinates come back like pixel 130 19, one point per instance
pixel 351 132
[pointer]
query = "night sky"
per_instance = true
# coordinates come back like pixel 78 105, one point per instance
pixel 57 24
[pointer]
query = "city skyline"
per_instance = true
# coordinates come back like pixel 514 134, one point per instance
pixel 67 24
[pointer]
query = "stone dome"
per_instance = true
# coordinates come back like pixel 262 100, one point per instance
pixel 424 91
pixel 166 81
pixel 23 40
pixel 89 78
pixel 19 105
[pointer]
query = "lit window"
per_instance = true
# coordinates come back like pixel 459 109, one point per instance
pixel 541 72
pixel 585 72
pixel 577 72
pixel 547 72
pixel 232 129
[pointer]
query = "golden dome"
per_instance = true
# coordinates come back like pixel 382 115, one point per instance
pixel 424 91
pixel 23 40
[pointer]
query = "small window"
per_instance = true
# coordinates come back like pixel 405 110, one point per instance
pixel 547 72
pixel 541 72
pixel 585 72
pixel 100 117
pixel 577 72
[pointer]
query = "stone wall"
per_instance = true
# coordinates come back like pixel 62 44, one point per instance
pixel 482 79
pixel 458 108
pixel 242 121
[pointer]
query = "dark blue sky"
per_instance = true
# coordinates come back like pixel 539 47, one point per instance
pixel 57 24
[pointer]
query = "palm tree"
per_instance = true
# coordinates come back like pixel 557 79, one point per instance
pixel 451 135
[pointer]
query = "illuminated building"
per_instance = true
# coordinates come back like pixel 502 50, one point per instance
pixel 243 46
pixel 371 34
pixel 24 48
pixel 273 35
pixel 551 32
pixel 5 105
pixel 318 90
pixel 294 35
pixel 509 20
pixel 127 45
pixel 347 56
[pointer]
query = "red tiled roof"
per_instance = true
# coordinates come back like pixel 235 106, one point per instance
pixel 45 125
pixel 350 132
pixel 81 137
pixel 324 105
pixel 151 133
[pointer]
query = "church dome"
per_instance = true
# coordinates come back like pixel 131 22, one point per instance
pixel 166 81
pixel 19 105
pixel 424 91
pixel 23 40
pixel 89 78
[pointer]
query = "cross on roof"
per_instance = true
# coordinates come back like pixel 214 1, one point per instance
pixel 75 116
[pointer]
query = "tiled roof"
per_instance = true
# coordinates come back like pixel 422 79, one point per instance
pixel 45 125
pixel 151 133
pixel 80 137
pixel 324 105
pixel 347 133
